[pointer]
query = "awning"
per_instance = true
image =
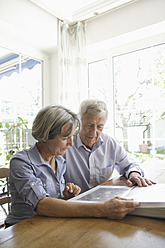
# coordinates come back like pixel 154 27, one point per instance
pixel 10 64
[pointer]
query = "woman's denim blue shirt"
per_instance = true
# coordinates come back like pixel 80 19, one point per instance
pixel 31 179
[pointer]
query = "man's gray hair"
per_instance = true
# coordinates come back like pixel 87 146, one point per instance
pixel 50 121
pixel 93 106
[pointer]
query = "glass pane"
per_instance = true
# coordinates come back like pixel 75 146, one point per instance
pixel 139 97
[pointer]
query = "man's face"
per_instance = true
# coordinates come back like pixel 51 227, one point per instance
pixel 91 128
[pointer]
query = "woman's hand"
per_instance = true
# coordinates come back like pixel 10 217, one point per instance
pixel 71 190
pixel 136 179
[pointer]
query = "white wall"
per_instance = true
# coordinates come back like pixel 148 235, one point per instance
pixel 24 22
pixel 134 16
pixel 54 92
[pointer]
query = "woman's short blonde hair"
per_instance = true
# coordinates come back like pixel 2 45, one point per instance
pixel 50 121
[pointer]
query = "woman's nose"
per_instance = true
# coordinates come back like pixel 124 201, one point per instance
pixel 70 141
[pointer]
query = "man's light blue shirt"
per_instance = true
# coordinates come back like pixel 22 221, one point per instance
pixel 31 179
pixel 88 168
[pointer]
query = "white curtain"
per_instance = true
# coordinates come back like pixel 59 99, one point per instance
pixel 72 64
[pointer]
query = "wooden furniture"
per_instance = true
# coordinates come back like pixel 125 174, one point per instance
pixel 132 231
pixel 5 196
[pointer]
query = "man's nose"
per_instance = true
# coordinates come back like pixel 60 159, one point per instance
pixel 94 130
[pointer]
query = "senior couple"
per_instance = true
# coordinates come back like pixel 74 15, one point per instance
pixel 69 156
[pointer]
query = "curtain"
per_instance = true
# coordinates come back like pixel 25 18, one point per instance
pixel 72 64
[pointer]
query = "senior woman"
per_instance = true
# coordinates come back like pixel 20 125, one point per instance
pixel 36 175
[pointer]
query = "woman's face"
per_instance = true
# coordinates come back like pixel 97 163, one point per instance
pixel 59 144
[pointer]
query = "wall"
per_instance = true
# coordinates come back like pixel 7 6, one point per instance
pixel 134 16
pixel 24 22
pixel 54 92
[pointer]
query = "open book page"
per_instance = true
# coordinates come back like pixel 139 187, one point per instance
pixel 150 197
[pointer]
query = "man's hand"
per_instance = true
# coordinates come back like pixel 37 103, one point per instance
pixel 71 190
pixel 118 207
pixel 136 179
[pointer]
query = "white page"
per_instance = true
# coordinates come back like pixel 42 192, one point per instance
pixel 154 195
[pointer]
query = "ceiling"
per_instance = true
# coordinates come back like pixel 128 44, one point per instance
pixel 79 10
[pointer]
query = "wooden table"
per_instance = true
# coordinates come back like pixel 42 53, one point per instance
pixel 46 232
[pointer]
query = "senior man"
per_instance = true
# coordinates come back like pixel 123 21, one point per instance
pixel 94 155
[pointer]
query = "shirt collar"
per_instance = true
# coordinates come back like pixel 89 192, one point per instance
pixel 61 159
pixel 35 156
pixel 37 159
pixel 96 145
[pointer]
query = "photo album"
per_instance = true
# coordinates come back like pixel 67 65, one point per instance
pixel 151 198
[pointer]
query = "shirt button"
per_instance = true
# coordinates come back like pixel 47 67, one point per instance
pixel 32 184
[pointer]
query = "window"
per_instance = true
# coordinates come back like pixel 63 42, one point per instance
pixel 135 98
pixel 20 97
pixel 139 93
